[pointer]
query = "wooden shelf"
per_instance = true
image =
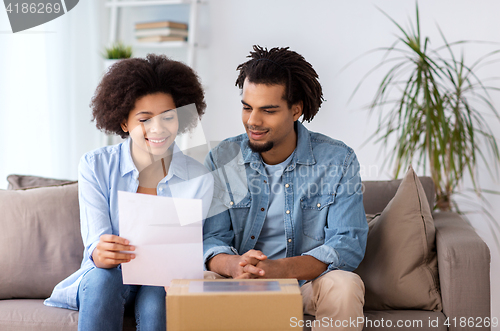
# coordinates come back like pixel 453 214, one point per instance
pixel 116 6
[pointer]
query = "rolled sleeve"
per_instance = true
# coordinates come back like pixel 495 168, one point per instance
pixel 90 251
pixel 327 255
pixel 212 251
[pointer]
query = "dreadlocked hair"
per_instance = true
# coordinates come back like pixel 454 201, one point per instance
pixel 280 66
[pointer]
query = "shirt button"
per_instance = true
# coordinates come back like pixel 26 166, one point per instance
pixel 252 237
pixel 231 203
pixel 290 240
pixel 265 181
pixel 262 209
pixel 287 185
pixel 288 212
pixel 318 205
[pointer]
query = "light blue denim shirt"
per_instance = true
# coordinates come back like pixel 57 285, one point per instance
pixel 324 214
pixel 104 172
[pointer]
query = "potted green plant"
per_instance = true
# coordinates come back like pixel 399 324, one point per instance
pixel 433 105
pixel 116 52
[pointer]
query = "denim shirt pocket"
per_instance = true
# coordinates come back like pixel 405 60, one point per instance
pixel 314 215
pixel 239 209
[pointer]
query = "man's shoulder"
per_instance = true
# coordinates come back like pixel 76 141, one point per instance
pixel 229 148
pixel 329 150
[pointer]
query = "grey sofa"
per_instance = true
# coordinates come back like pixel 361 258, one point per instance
pixel 463 263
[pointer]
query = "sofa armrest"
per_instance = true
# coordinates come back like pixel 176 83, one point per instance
pixel 464 270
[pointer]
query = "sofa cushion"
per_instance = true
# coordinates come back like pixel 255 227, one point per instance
pixel 29 315
pixel 40 241
pixel 17 182
pixel 400 265
pixel 378 193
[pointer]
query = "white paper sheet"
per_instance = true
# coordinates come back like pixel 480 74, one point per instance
pixel 167 235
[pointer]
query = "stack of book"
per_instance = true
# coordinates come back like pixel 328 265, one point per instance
pixel 163 31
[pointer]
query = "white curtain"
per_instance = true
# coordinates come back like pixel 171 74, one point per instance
pixel 47 77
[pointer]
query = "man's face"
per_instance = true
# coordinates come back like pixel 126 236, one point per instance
pixel 267 119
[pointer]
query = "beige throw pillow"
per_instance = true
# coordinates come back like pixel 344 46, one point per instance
pixel 17 182
pixel 40 240
pixel 400 265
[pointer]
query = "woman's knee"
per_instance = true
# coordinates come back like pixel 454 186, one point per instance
pixel 105 282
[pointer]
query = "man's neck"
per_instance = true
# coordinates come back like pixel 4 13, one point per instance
pixel 280 153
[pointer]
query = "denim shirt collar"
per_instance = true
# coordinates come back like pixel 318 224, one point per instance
pixel 178 166
pixel 303 151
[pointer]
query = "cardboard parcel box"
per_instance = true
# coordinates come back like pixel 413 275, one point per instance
pixel 233 304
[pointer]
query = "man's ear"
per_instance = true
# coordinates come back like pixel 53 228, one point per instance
pixel 297 110
pixel 124 127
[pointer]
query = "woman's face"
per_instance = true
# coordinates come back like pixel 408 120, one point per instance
pixel 152 124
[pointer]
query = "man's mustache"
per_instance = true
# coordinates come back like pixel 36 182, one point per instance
pixel 256 128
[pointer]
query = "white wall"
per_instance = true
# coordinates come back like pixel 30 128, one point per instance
pixel 330 34
pixel 47 76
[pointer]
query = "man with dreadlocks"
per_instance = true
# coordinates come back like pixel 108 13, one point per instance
pixel 288 201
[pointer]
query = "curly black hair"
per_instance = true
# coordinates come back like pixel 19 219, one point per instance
pixel 130 79
pixel 284 67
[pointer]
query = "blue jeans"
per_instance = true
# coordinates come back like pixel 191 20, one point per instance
pixel 102 299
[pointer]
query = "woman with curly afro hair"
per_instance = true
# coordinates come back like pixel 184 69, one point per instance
pixel 149 102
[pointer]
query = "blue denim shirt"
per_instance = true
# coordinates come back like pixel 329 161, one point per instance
pixel 101 174
pixel 324 214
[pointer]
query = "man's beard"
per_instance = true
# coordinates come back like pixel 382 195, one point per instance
pixel 261 148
